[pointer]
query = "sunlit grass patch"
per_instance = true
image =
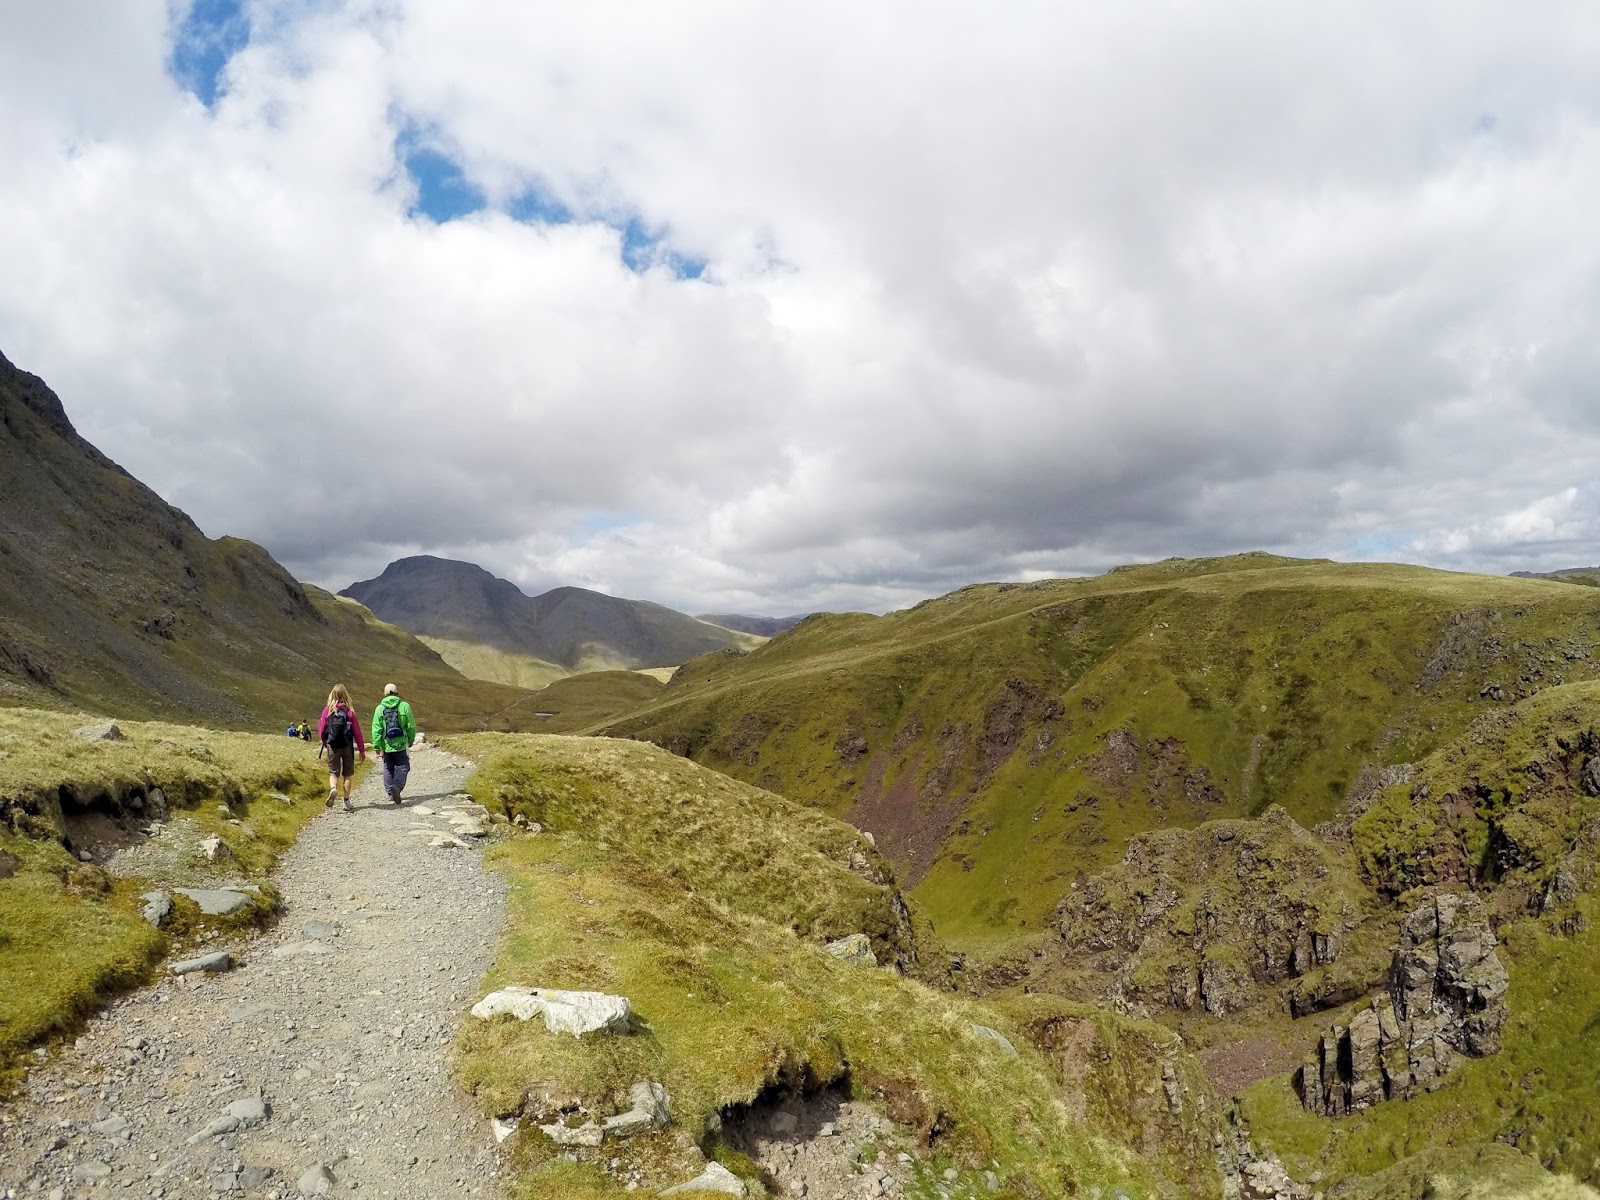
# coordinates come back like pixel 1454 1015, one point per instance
pixel 70 932
pixel 705 902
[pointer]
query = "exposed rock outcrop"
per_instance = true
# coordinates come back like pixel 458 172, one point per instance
pixel 1221 918
pixel 1446 1000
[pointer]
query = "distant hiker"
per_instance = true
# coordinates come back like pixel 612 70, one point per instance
pixel 339 731
pixel 305 731
pixel 291 732
pixel 394 730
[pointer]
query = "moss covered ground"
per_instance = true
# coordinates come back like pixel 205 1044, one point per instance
pixel 706 902
pixel 71 933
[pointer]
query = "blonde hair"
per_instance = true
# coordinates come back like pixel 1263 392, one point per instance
pixel 339 695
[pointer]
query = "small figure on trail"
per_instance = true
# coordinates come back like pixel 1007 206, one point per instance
pixel 340 733
pixel 305 731
pixel 291 732
pixel 394 729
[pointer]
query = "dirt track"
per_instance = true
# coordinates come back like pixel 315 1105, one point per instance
pixel 339 1019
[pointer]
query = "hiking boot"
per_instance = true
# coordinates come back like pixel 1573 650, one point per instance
pixel 348 807
pixel 332 795
pixel 395 796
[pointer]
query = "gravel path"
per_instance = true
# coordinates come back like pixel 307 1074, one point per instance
pixel 337 1021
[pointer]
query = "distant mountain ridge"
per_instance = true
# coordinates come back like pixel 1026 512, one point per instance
pixel 113 600
pixel 1583 576
pixel 571 628
pixel 760 626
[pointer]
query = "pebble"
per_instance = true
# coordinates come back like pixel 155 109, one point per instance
pixel 293 1060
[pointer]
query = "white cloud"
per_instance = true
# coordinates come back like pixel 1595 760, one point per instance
pixel 990 290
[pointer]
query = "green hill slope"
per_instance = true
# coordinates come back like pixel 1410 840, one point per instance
pixel 707 902
pixel 114 601
pixel 1003 740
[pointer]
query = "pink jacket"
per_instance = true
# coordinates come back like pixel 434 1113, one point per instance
pixel 355 724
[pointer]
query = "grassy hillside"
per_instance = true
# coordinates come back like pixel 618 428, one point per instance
pixel 70 930
pixel 706 902
pixel 1004 740
pixel 114 601
pixel 496 666
pixel 577 702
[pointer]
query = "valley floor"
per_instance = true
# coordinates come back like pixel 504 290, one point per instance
pixel 339 1019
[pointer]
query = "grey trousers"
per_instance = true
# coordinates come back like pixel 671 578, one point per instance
pixel 396 767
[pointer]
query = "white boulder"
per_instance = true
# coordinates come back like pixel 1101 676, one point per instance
pixel 576 1013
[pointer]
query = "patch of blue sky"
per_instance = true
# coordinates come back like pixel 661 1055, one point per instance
pixel 537 207
pixel 443 190
pixel 203 43
pixel 606 522
pixel 644 248
pixel 1382 547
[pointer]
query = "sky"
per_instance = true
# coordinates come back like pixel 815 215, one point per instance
pixel 770 307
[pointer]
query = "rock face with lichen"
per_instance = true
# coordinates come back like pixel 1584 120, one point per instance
pixel 1446 1001
pixel 1229 916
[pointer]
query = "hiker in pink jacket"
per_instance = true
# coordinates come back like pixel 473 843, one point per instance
pixel 339 731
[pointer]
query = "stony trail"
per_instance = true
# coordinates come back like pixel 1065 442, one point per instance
pixel 339 1019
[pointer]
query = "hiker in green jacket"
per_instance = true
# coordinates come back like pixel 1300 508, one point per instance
pixel 394 729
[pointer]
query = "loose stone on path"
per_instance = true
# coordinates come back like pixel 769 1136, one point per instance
pixel 318 1061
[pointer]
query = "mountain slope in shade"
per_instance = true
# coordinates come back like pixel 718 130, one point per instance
pixel 768 627
pixel 113 600
pixel 571 627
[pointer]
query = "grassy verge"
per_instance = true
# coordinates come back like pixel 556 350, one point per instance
pixel 704 901
pixel 70 932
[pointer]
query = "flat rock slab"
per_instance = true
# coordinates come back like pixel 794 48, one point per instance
pixel 715 1178
pixel 221 960
pixel 998 1038
pixel 576 1013
pixel 218 902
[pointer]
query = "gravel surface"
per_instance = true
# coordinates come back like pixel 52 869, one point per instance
pixel 316 1066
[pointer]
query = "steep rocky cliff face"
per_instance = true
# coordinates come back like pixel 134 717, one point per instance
pixel 1233 915
pixel 1446 1001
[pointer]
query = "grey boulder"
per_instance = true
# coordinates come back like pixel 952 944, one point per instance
pixel 156 906
pixel 217 902
pixel 855 950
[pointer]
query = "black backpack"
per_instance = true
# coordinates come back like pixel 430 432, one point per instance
pixel 338 733
pixel 393 730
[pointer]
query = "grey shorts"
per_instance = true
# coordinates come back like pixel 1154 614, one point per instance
pixel 342 761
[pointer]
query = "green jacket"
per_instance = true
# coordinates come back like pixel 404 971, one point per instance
pixel 407 722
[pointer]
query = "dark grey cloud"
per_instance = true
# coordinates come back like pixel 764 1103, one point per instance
pixel 988 292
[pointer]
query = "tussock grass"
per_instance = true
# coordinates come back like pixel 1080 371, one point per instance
pixel 704 902
pixel 69 933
